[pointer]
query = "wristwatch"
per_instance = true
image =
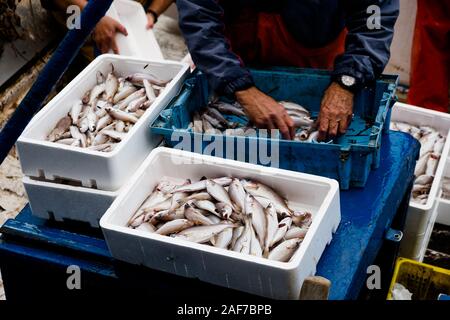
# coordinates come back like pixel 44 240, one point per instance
pixel 154 14
pixel 348 82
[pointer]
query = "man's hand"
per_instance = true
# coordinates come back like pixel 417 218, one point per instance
pixel 104 34
pixel 150 21
pixel 265 112
pixel 335 112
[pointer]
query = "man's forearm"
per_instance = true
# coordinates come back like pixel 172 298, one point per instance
pixel 159 6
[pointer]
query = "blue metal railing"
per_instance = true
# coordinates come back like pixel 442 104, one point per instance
pixel 50 75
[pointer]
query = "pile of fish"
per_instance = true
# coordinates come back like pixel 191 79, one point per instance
pixel 432 143
pixel 108 111
pixel 212 119
pixel 235 214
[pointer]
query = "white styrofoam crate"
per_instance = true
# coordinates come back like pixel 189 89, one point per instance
pixel 443 206
pixel 419 215
pixel 62 202
pixel 102 170
pixel 140 41
pixel 230 269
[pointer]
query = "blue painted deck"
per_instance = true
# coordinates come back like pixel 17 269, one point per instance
pixel 366 215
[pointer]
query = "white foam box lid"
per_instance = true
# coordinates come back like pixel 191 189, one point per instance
pixel 140 41
pixel 102 170
pixel 63 202
pixel 259 276
pixel 418 214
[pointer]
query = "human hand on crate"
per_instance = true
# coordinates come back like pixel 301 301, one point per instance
pixel 265 112
pixel 335 112
pixel 105 32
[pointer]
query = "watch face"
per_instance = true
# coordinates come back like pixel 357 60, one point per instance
pixel 348 81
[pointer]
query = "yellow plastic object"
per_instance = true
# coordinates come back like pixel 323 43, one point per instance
pixel 424 281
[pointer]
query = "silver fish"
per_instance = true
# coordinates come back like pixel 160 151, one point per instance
pixel 227 108
pixel 83 124
pixel 403 127
pixel 300 122
pixel 432 164
pixel 214 219
pixel 91 119
pixel 146 227
pixel 302 219
pixel 76 134
pixel 439 146
pixel 296 233
pixel 213 121
pixel 201 185
pixel 237 195
pixel 294 107
pixel 100 147
pixel 121 115
pixel 138 78
pixel 114 134
pixel 112 84
pixel 224 210
pixel 214 113
pixel 272 227
pixel 99 77
pixel 208 206
pixel 261 190
pixel 283 227
pixel 237 232
pixel 76 110
pixel 424 179
pixel 421 165
pixel 124 93
pixel 95 93
pixel 66 141
pixel 136 104
pixel 120 126
pixel 125 102
pixel 427 142
pixel 149 91
pixel 243 243
pixel 61 127
pixel 223 239
pixel 174 226
pixel 196 217
pixel 218 192
pixel 256 211
pixel 285 250
pixel 255 247
pixel 263 201
pixel 201 234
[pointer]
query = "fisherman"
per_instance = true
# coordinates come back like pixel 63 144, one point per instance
pixel 340 35
pixel 430 57
pixel 106 29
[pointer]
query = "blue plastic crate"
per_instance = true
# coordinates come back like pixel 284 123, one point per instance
pixel 348 159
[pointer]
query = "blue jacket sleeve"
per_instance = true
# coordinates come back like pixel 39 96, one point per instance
pixel 203 28
pixel 367 49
